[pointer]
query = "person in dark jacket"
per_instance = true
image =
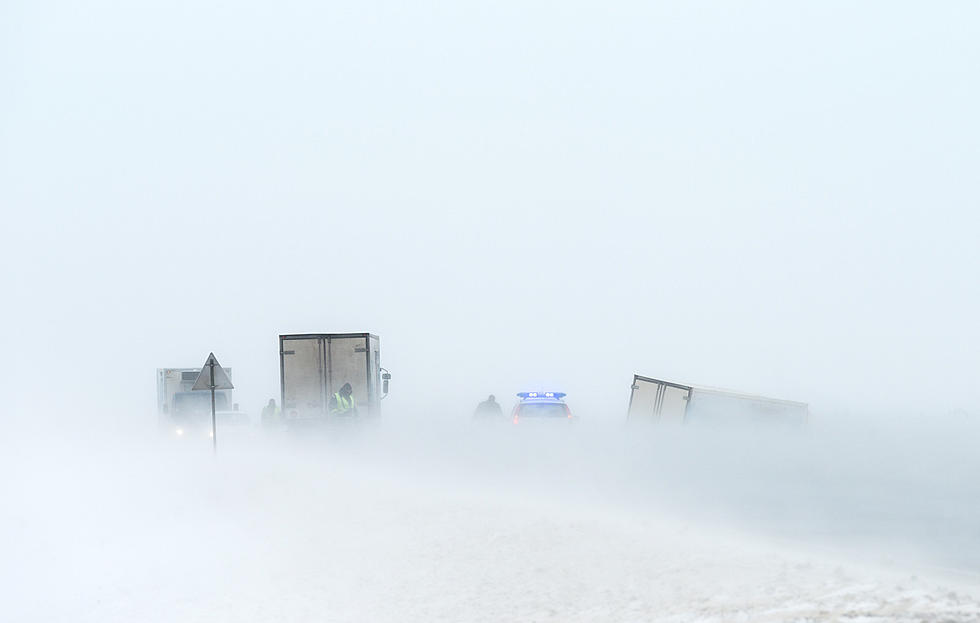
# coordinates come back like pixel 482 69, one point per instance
pixel 488 409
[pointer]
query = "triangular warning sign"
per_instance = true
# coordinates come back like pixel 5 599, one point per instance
pixel 204 379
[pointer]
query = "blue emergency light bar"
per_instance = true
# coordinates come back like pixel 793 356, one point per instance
pixel 526 395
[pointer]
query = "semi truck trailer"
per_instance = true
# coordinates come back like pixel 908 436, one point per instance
pixel 656 400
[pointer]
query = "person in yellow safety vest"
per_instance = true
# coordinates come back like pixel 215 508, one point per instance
pixel 342 403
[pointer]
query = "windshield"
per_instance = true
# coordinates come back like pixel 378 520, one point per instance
pixel 547 409
pixel 198 402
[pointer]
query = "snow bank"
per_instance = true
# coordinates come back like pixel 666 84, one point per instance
pixel 427 525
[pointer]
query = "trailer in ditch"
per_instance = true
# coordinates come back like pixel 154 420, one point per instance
pixel 656 400
pixel 313 367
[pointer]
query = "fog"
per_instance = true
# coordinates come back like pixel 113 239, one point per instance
pixel 514 196
pixel 494 521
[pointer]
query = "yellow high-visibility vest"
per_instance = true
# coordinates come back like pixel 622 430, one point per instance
pixel 343 404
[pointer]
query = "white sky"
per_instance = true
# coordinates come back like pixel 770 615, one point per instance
pixel 775 197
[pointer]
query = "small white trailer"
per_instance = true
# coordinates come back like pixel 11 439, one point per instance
pixel 656 400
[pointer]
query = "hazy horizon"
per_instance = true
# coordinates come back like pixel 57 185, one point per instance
pixel 774 199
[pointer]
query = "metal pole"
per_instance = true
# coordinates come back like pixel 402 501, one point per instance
pixel 214 431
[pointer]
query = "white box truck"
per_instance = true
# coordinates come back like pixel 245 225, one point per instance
pixel 181 410
pixel 656 400
pixel 313 367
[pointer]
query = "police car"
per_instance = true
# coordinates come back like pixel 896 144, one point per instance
pixel 541 406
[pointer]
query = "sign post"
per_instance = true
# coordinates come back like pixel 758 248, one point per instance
pixel 213 377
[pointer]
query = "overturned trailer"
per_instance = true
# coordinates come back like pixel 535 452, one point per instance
pixel 655 400
pixel 313 367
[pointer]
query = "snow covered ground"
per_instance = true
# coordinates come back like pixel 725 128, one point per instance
pixel 475 524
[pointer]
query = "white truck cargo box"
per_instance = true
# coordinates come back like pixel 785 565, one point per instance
pixel 314 366
pixel 664 401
